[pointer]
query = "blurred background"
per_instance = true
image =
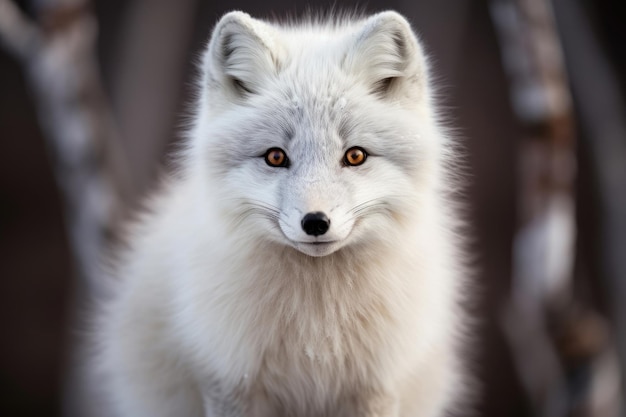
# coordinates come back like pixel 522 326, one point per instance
pixel 92 97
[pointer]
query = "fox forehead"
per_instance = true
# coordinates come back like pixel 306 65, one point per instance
pixel 301 119
pixel 296 106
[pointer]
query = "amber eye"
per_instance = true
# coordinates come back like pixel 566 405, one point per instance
pixel 354 156
pixel 276 157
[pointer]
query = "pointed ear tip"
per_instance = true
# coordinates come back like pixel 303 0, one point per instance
pixel 392 20
pixel 235 16
pixel 238 21
pixel 391 16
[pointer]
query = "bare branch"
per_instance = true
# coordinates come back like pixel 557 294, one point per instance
pixel 18 34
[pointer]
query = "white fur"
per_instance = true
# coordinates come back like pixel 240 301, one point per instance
pixel 226 307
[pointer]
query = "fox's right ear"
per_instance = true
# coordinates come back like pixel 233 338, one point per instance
pixel 241 55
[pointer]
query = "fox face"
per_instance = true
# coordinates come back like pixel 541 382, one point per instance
pixel 316 141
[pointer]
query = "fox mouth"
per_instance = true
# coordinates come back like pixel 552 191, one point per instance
pixel 317 248
pixel 317 242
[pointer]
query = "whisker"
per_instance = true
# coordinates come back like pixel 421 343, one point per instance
pixel 376 206
pixel 255 208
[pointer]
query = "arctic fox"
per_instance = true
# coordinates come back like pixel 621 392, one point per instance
pixel 304 261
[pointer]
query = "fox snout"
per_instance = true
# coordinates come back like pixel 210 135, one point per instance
pixel 315 223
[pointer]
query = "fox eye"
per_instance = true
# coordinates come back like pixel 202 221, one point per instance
pixel 276 157
pixel 354 156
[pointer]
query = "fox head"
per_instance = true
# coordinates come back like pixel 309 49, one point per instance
pixel 316 137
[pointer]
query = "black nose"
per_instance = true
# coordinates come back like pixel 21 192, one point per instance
pixel 316 223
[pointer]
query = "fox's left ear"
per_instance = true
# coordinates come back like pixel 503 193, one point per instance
pixel 387 56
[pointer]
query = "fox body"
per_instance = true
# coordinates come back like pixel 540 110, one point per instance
pixel 304 261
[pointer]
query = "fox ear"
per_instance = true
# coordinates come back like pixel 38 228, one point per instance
pixel 387 56
pixel 241 55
